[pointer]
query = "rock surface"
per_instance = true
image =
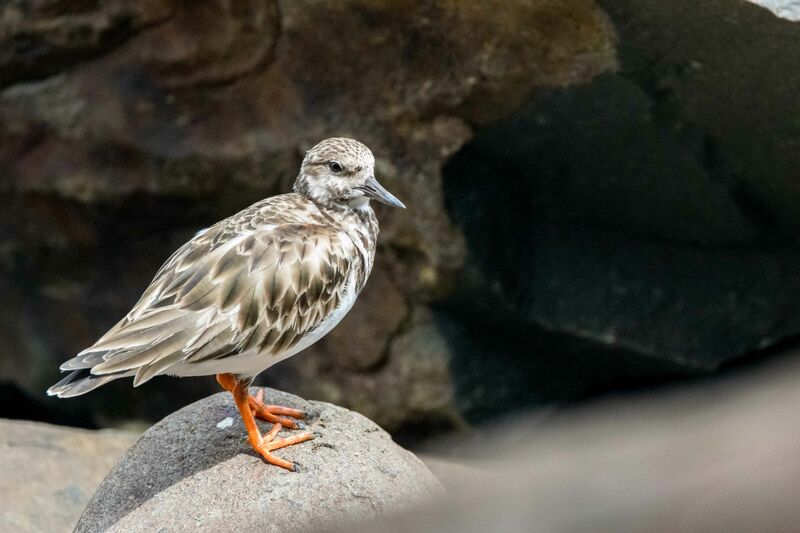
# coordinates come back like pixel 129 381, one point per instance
pixel 712 458
pixel 646 223
pixel 194 471
pixel 49 473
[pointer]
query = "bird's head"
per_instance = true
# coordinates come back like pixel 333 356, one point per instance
pixel 341 172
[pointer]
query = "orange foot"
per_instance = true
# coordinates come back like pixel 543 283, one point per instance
pixel 275 413
pixel 265 444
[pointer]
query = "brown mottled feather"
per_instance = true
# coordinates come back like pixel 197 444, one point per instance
pixel 281 261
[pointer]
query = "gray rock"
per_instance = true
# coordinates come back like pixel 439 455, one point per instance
pixel 718 458
pixel 195 471
pixel 50 472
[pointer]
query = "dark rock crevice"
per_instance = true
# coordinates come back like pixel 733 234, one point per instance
pixel 618 228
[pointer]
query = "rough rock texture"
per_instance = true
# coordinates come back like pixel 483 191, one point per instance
pixel 410 389
pixel 49 473
pixel 127 126
pixel 194 471
pixel 644 224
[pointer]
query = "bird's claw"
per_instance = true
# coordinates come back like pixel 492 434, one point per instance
pixel 276 414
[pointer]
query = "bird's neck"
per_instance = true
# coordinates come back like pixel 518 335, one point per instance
pixel 361 225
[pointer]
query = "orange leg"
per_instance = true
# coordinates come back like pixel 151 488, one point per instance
pixel 262 444
pixel 270 413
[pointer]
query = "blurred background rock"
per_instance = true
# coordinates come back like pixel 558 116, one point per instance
pixel 603 195
pixel 711 457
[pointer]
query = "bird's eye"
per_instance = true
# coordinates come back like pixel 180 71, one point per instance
pixel 335 167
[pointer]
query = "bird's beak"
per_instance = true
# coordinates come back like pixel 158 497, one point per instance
pixel 373 189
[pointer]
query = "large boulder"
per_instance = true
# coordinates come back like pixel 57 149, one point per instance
pixel 50 472
pixel 640 226
pixel 195 471
pixel 707 458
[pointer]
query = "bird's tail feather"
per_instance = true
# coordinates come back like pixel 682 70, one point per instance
pixel 80 382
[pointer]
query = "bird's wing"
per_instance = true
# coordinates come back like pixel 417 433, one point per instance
pixel 230 289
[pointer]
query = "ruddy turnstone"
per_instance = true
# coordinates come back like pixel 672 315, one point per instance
pixel 251 290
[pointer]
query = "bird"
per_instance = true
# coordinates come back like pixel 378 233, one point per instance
pixel 250 291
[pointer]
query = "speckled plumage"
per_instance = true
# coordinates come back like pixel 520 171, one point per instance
pixel 254 288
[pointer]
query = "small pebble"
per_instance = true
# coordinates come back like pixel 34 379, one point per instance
pixel 225 423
